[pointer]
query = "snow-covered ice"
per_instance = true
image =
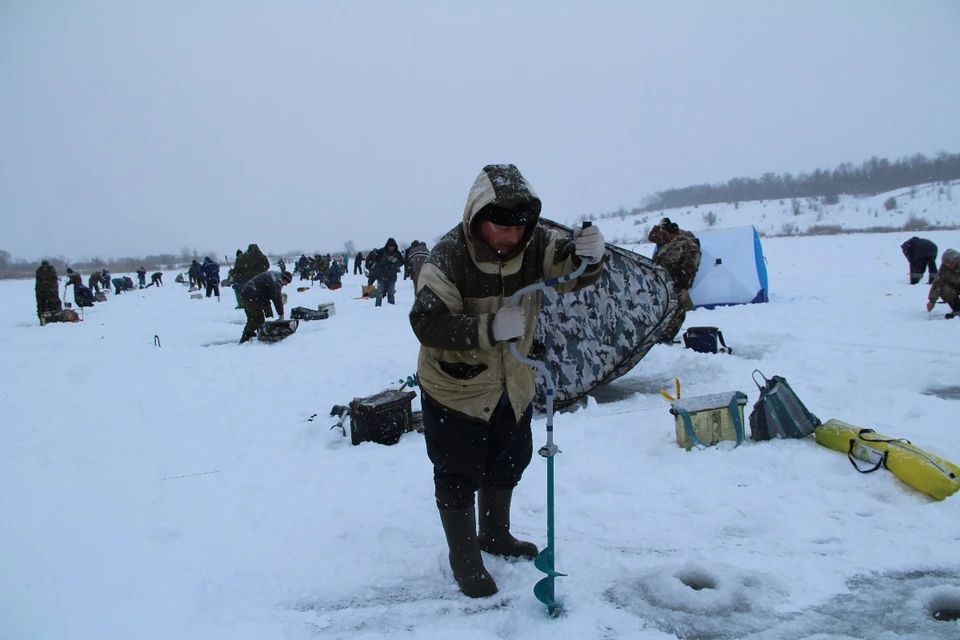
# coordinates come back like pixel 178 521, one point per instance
pixel 182 491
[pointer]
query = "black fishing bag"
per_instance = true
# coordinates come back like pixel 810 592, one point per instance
pixel 704 340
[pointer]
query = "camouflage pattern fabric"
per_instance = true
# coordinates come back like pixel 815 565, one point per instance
pixel 680 256
pixel 946 284
pixel 256 316
pixel 673 327
pixel 595 335
pixel 48 290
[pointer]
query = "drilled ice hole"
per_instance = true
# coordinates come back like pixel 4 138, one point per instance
pixel 697 580
pixel 945 608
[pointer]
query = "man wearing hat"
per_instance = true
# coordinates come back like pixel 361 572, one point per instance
pixel 389 261
pixel 946 284
pixel 257 294
pixel 49 306
pixel 476 396
pixel 678 251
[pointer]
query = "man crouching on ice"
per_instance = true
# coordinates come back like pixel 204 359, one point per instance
pixel 476 396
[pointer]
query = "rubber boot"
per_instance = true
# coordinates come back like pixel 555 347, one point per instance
pixel 495 536
pixel 472 577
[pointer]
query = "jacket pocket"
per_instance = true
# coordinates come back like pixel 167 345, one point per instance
pixel 462 370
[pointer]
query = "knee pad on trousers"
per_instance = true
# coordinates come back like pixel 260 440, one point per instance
pixel 448 500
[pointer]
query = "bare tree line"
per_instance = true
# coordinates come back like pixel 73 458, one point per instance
pixel 876 175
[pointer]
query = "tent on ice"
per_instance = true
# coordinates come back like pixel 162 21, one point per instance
pixel 595 335
pixel 732 269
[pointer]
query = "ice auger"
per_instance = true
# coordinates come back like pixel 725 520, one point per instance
pixel 544 589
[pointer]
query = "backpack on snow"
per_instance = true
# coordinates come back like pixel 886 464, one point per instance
pixel 704 340
pixel 276 330
pixel 305 313
pixel 778 412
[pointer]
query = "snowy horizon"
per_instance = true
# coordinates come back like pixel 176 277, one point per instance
pixel 931 204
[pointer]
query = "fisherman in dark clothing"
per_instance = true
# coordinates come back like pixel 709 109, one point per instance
pixel 211 273
pixel 249 264
pixel 118 287
pixel 94 282
pixel 156 279
pixel 194 274
pixel 303 267
pixel 389 262
pixel 142 277
pixel 257 294
pixel 73 278
pixel 358 264
pixel 415 261
pixel 370 263
pixel 406 258
pixel 922 256
pixel 49 306
pixel 82 295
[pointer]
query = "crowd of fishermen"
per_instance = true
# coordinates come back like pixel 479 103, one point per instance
pixel 325 269
pixel 49 305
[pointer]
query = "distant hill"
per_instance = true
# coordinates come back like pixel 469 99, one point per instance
pixel 871 177
pixel 934 205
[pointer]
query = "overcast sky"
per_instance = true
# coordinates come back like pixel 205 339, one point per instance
pixel 130 127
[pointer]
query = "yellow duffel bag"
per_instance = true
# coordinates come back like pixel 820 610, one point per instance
pixel 918 468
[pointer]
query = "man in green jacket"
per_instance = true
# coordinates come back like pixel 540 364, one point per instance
pixel 476 396
pixel 678 251
pixel 946 284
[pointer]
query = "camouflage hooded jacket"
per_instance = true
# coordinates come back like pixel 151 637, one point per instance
pixel 946 278
pixel 464 283
pixel 680 256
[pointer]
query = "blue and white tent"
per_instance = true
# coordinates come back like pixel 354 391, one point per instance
pixel 732 269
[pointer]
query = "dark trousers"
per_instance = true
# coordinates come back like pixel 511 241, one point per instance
pixel 214 288
pixel 255 318
pixel 469 454
pixel 142 280
pixel 917 269
pixel 357 268
pixel 951 296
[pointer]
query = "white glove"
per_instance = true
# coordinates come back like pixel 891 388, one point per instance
pixel 589 243
pixel 509 323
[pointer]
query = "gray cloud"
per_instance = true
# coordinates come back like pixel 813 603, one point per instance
pixel 141 127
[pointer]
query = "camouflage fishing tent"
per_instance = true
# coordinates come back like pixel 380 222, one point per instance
pixel 595 335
